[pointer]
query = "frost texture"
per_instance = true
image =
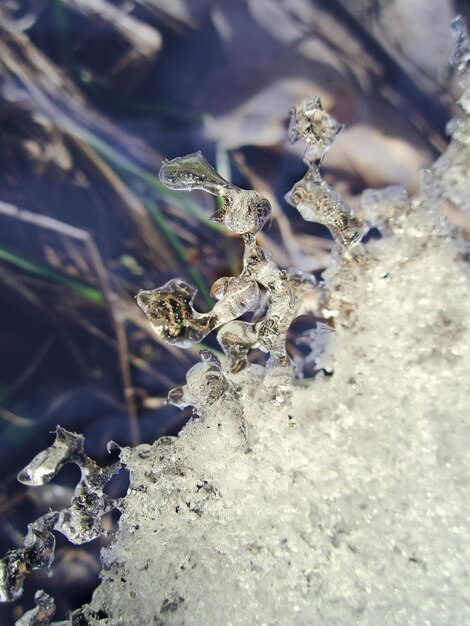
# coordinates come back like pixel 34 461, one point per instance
pixel 80 523
pixel 351 506
pixel 349 502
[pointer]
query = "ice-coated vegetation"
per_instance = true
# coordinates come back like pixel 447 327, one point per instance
pixel 343 502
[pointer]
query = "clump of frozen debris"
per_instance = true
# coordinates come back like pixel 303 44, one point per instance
pixel 343 502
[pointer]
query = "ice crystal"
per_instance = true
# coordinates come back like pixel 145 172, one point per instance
pixel 80 523
pixel 460 57
pixel 316 201
pixel 42 614
pixel 311 123
pixel 205 384
pixel 242 212
pixel 170 311
pixel 170 307
pixel 37 552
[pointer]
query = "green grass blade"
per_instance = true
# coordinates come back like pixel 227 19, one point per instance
pixel 180 250
pixel 126 167
pixel 10 256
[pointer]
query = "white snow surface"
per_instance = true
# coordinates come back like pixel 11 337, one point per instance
pixel 353 510
pixel 351 506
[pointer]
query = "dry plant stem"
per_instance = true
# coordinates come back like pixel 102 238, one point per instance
pixel 58 98
pixel 59 402
pixel 133 358
pixel 17 420
pixel 30 369
pixel 419 107
pixel 78 234
pixel 317 247
pixel 121 337
pixel 134 207
pixel 144 40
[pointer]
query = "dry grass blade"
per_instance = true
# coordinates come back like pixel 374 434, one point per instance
pixel 97 171
pixel 14 419
pixel 144 41
pixel 29 370
pixel 61 102
pixel 117 319
pixel 423 110
pixel 315 247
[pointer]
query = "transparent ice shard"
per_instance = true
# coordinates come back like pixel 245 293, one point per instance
pixel 171 312
pixel 205 384
pixel 282 309
pixel 42 614
pixel 460 57
pixel 80 522
pixel 170 307
pixel 45 465
pixel 193 172
pixel 237 339
pixel 311 123
pixel 316 201
pixel 242 211
pixel 173 317
pixel 37 552
pixel 236 295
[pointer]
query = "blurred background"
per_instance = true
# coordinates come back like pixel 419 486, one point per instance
pixel 93 95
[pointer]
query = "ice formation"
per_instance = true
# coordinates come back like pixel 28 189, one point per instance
pixel 42 614
pixel 311 123
pixel 80 522
pixel 343 502
pixel 170 307
pixel 242 211
pixel 315 200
